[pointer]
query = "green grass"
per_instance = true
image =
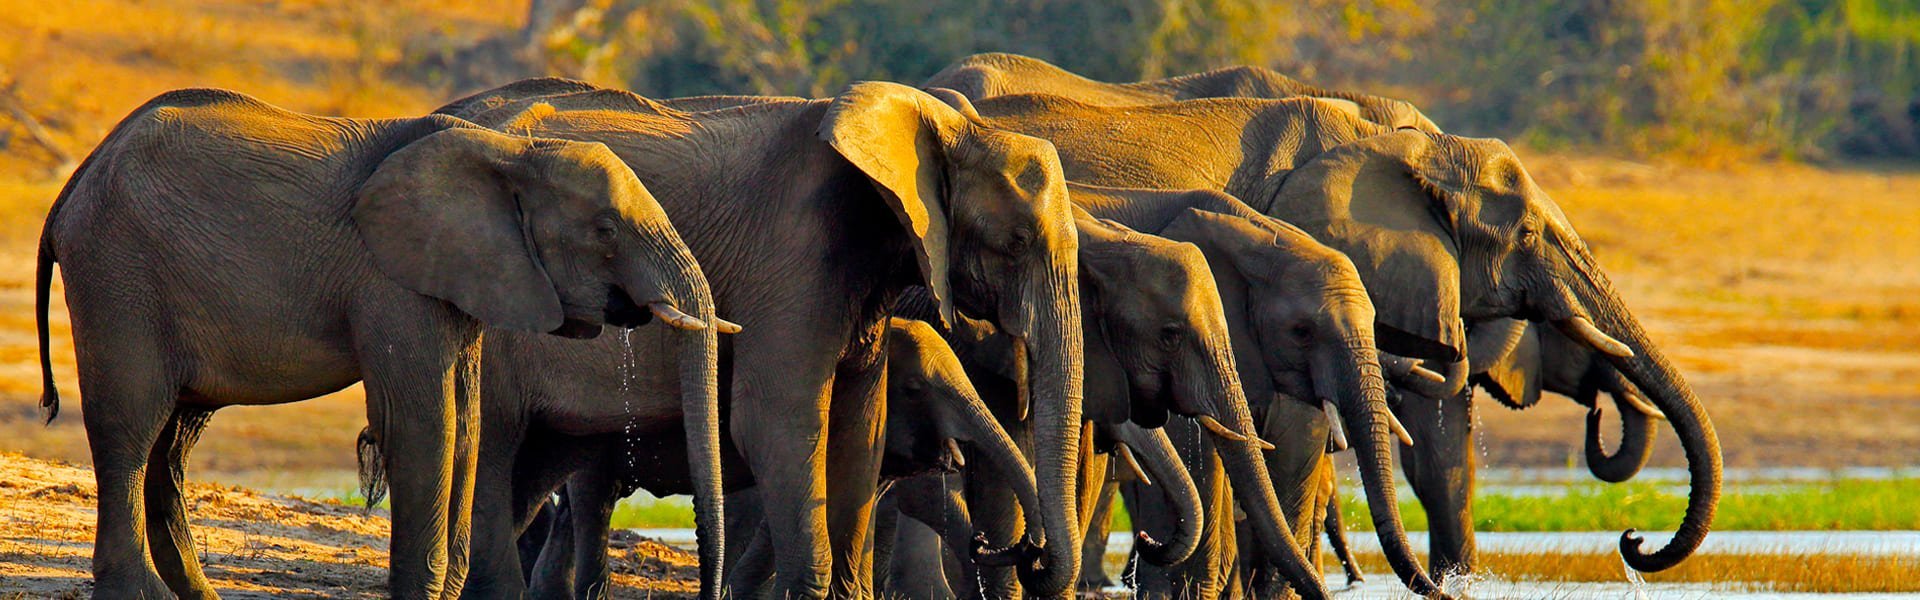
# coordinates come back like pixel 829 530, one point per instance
pixel 1857 505
pixel 1865 505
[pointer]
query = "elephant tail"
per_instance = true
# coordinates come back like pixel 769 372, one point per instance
pixel 42 284
pixel 373 470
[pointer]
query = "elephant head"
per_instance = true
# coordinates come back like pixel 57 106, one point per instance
pixel 1544 359
pixel 551 236
pixel 1309 327
pixel 932 408
pixel 988 215
pixel 1445 228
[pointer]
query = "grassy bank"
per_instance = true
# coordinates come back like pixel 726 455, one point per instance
pixel 1860 505
pixel 1804 573
pixel 1868 505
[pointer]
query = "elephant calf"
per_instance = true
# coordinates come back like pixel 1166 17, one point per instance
pixel 221 251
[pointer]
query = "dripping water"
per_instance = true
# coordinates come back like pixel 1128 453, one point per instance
pixel 627 367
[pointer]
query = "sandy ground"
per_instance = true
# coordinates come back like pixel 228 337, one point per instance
pixel 253 545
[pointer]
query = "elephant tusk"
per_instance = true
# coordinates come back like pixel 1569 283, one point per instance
pixel 1640 404
pixel 674 318
pixel 725 326
pixel 1582 329
pixel 1423 373
pixel 953 450
pixel 1220 430
pixel 1393 422
pixel 1132 465
pixel 1336 430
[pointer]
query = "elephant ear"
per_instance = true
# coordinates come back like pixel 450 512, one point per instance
pixel 898 136
pixel 1374 200
pixel 1515 379
pixel 440 218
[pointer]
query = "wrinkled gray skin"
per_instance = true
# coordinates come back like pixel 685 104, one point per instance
pixel 1302 329
pixel 1157 343
pixel 913 561
pixel 931 409
pixel 813 215
pixel 219 251
pixel 1443 230
pixel 1514 361
pixel 994 74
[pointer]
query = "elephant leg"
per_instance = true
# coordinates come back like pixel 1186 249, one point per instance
pixel 854 445
pixel 591 496
pixel 168 536
pixel 1093 552
pixel 546 549
pixel 749 547
pixel 917 568
pixel 128 400
pixel 886 522
pixel 1337 540
pixel 494 563
pixel 466 415
pixel 1441 471
pixel 412 378
pixel 779 410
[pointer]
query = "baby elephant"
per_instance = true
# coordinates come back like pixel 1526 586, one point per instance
pixel 220 251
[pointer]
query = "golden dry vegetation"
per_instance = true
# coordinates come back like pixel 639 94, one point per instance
pixel 1789 293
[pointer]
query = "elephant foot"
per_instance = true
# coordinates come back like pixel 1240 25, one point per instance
pixel 142 586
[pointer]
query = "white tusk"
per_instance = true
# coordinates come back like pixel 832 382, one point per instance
pixel 725 326
pixel 1582 329
pixel 1220 430
pixel 1419 372
pixel 1393 422
pixel 1640 403
pixel 1336 431
pixel 1133 466
pixel 674 318
pixel 953 449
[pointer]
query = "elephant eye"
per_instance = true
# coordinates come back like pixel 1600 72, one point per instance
pixel 1302 332
pixel 1170 333
pixel 1529 234
pixel 1019 241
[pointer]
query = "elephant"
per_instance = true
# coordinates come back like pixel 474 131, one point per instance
pixel 1443 229
pixel 994 74
pixel 221 251
pixel 932 411
pixel 810 217
pixel 1514 361
pixel 936 503
pixel 1159 338
pixel 1302 327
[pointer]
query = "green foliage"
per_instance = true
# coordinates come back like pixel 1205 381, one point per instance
pixel 1696 77
pixel 1864 505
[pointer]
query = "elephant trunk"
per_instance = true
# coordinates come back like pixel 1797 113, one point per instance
pixel 1636 357
pixel 1636 434
pixel 1002 456
pixel 1248 472
pixel 1054 347
pixel 1361 396
pixel 1162 462
pixel 675 279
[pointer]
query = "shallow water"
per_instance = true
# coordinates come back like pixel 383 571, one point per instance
pixel 1865 543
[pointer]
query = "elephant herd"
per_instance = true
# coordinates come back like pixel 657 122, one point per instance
pixel 914 338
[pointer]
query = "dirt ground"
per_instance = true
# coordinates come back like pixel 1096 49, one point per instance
pixel 253 545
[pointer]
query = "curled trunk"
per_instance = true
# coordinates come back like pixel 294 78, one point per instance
pixel 1636 437
pixel 1162 462
pixel 1002 456
pixel 1652 373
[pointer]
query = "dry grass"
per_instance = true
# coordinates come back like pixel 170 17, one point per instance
pixel 1729 572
